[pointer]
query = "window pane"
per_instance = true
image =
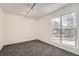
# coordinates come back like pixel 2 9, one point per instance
pixel 56 29
pixel 68 29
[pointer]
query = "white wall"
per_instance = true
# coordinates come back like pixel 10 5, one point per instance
pixel 19 29
pixel 1 29
pixel 45 26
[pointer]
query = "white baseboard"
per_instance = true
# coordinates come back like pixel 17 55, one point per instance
pixel 14 42
pixel 71 49
pixel 1 47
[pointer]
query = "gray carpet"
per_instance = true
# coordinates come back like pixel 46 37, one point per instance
pixel 33 48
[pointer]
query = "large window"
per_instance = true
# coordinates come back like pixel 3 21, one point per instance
pixel 64 29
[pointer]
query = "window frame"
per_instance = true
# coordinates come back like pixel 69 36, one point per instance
pixel 61 28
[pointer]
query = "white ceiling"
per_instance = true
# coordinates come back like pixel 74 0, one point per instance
pixel 39 10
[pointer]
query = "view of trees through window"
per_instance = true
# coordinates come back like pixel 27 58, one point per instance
pixel 63 29
pixel 56 29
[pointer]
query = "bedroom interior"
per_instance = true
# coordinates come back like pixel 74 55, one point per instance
pixel 39 29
